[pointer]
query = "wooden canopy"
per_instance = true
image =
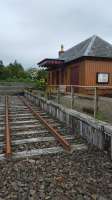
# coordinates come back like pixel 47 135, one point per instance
pixel 48 62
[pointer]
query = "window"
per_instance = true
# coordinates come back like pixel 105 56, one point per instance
pixel 102 78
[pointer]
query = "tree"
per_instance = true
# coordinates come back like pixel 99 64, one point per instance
pixel 37 74
pixel 42 74
pixel 1 64
pixel 16 70
pixel 2 70
pixel 32 73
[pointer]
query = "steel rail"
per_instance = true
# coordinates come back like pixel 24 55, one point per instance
pixel 55 132
pixel 8 150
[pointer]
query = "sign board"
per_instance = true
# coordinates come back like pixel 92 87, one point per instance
pixel 102 77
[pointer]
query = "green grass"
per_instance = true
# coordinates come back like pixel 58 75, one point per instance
pixel 101 116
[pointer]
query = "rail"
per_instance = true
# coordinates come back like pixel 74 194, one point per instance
pixel 55 132
pixel 8 150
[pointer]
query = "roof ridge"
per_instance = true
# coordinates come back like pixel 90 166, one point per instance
pixel 93 46
pixel 90 45
pixel 69 49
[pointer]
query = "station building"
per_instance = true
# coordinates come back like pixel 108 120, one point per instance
pixel 88 63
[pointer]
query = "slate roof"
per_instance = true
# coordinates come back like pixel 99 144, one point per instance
pixel 94 47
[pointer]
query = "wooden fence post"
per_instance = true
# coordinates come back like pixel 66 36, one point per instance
pixel 72 97
pixel 58 95
pixel 49 94
pixel 95 102
pixel 111 147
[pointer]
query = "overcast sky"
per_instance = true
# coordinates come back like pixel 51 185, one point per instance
pixel 31 30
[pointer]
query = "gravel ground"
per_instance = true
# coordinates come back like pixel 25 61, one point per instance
pixel 82 175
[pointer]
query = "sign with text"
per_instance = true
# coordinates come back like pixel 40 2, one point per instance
pixel 102 77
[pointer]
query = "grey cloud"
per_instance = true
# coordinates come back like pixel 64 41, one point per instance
pixel 33 29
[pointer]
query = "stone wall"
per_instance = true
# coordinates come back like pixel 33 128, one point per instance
pixel 95 132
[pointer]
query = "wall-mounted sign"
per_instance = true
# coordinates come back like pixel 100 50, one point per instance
pixel 102 77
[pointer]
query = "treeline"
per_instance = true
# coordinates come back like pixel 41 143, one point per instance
pixel 12 71
pixel 15 72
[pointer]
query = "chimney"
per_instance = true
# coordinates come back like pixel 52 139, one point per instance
pixel 61 51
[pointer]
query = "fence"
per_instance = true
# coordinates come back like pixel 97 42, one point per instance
pixel 93 100
pixel 95 132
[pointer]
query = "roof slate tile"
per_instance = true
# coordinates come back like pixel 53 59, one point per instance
pixel 94 46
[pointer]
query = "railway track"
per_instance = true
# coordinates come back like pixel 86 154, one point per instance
pixel 26 131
